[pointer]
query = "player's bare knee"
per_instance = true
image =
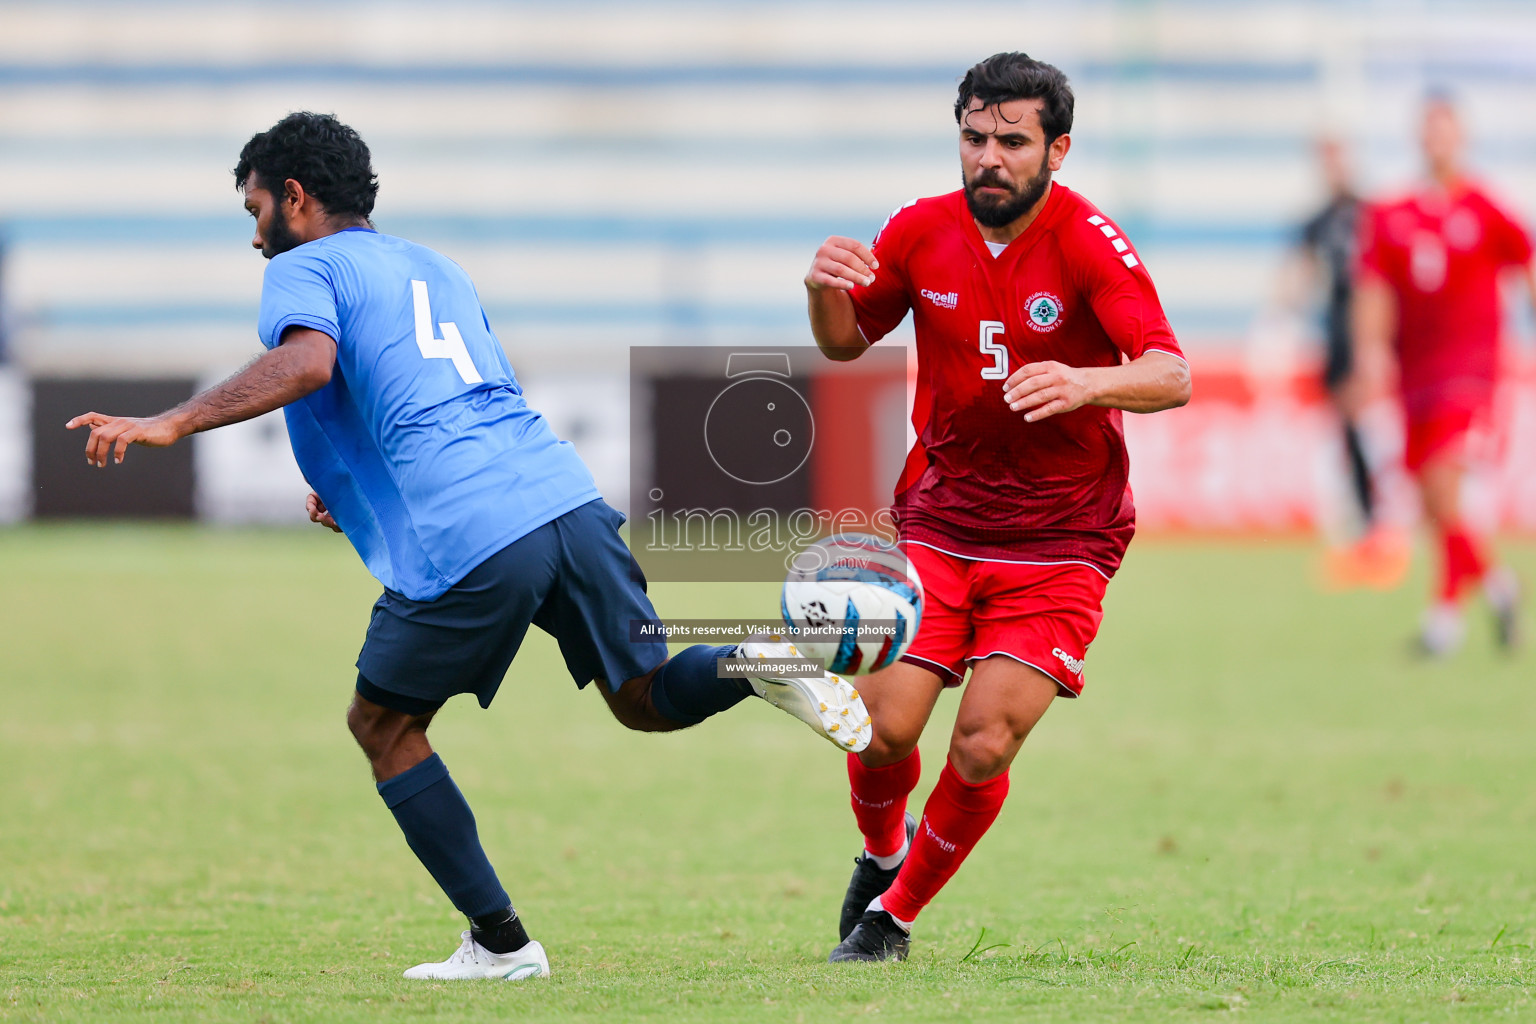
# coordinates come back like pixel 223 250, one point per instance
pixel 631 712
pixel 982 755
pixel 632 708
pixel 897 729
pixel 360 723
pixel 378 730
pixel 886 748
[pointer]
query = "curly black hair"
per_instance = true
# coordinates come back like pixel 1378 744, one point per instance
pixel 329 159
pixel 1018 76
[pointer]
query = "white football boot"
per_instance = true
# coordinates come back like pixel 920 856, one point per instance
pixel 829 705
pixel 1441 631
pixel 472 960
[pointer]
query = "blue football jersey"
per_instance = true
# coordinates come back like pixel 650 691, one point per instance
pixel 422 445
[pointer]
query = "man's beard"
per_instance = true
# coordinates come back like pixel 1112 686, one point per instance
pixel 991 212
pixel 279 237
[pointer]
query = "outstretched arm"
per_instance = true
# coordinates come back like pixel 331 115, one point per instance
pixel 1151 382
pixel 299 366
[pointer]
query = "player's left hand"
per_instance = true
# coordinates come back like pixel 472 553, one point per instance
pixel 108 432
pixel 318 513
pixel 1044 389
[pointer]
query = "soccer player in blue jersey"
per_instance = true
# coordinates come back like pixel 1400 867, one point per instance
pixel 412 430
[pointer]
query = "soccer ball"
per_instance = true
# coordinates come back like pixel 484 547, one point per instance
pixel 854 601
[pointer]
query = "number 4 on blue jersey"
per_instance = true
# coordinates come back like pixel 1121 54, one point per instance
pixel 449 346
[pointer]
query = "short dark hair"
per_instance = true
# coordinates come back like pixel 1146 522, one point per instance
pixel 1018 76
pixel 329 159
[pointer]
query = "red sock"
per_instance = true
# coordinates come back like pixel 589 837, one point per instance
pixel 955 818
pixel 1462 561
pixel 880 801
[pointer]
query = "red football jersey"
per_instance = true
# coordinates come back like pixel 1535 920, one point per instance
pixel 1442 255
pixel 981 482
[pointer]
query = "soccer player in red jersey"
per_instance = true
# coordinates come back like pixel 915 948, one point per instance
pixel 1428 292
pixel 1036 325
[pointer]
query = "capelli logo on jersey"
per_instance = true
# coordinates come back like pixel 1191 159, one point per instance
pixel 944 300
pixel 1074 665
pixel 1044 312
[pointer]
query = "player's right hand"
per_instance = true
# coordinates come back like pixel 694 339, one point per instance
pixel 842 263
pixel 111 435
pixel 317 512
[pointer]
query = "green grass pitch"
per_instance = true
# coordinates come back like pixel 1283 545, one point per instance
pixel 1262 809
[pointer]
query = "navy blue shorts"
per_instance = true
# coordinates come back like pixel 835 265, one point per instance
pixel 573 577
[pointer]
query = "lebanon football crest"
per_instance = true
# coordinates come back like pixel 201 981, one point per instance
pixel 1043 311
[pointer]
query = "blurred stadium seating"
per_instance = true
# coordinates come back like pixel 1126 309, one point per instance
pixel 615 174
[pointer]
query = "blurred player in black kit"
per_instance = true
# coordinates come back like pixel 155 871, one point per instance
pixel 1328 239
pixel 1328 243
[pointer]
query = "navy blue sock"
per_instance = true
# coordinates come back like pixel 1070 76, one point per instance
pixel 440 829
pixel 685 688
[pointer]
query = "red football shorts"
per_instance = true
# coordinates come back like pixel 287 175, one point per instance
pixel 1453 417
pixel 1436 430
pixel 1042 615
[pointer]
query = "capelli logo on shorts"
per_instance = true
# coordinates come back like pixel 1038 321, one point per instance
pixel 1074 665
pixel 944 300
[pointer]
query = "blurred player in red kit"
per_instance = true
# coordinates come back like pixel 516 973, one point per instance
pixel 1036 325
pixel 1428 293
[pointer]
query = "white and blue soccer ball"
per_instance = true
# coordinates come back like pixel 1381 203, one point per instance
pixel 854 601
